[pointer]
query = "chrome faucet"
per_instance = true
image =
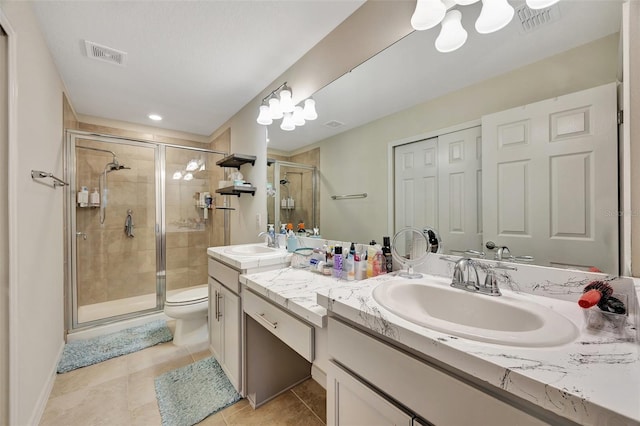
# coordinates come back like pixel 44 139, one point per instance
pixel 503 253
pixel 465 277
pixel 272 240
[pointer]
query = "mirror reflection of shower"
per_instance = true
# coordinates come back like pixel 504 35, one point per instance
pixel 295 198
pixel 112 166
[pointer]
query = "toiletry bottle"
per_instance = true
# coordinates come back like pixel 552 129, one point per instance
pixel 337 262
pixel 386 251
pixel 379 264
pixel 272 233
pixel 94 198
pixel 283 228
pixel 292 241
pixel 371 254
pixel 350 268
pixel 352 250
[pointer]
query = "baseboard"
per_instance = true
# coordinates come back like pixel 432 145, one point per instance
pixel 114 327
pixel 319 376
pixel 38 411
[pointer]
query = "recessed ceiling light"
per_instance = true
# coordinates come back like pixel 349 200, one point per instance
pixel 155 117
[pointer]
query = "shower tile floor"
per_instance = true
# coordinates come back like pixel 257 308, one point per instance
pixel 121 391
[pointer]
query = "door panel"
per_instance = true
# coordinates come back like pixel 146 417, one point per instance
pixel 550 185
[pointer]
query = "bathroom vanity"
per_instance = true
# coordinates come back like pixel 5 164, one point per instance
pixel 385 366
pixel 225 265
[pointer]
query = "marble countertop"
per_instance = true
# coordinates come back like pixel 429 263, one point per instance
pixel 245 262
pixel 295 290
pixel 593 380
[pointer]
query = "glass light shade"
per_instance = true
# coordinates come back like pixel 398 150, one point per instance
pixel 264 117
pixel 274 109
pixel 452 34
pixel 287 122
pixel 298 116
pixel 428 14
pixel 177 175
pixel 310 109
pixel 541 4
pixel 188 176
pixel 192 165
pixel 286 103
pixel 494 16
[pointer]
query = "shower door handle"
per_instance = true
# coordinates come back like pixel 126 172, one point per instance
pixel 81 234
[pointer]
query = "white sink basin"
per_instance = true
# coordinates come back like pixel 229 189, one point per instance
pixel 251 250
pixel 509 319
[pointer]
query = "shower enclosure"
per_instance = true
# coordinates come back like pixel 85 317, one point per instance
pixel 295 197
pixel 146 227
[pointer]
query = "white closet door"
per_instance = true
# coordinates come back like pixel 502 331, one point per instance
pixel 460 189
pixel 550 186
pixel 416 184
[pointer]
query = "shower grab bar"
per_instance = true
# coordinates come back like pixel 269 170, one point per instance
pixel 349 196
pixel 37 174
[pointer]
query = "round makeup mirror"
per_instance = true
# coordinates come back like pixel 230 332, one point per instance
pixel 410 247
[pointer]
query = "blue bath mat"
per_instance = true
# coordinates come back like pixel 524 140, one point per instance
pixel 191 393
pixel 80 353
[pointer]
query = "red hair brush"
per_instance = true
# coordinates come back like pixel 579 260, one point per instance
pixel 593 292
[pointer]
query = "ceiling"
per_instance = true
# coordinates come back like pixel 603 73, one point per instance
pixel 196 63
pixel 412 71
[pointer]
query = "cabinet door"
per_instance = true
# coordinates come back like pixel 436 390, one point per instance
pixel 229 306
pixel 351 402
pixel 215 324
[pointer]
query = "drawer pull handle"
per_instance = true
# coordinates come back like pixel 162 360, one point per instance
pixel 218 313
pixel 271 324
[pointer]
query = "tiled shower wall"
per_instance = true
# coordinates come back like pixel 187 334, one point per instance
pixel 113 266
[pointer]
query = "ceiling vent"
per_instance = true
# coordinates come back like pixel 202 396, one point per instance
pixel 532 19
pixel 104 53
pixel 333 124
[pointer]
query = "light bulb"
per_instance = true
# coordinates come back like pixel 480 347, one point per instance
pixel 465 2
pixel 274 108
pixel 428 14
pixel 286 103
pixel 452 34
pixel 298 116
pixel 541 4
pixel 264 117
pixel 188 176
pixel 177 175
pixel 287 122
pixel 310 109
pixel 192 165
pixel 494 16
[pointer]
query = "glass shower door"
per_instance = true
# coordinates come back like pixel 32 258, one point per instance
pixel 114 223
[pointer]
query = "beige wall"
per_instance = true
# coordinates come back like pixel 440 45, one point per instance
pixel 633 115
pixel 366 147
pixel 4 232
pixel 38 220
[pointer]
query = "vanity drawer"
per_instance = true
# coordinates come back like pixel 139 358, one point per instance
pixel 295 333
pixel 225 275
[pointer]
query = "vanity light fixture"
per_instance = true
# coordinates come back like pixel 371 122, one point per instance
pixel 279 105
pixel 494 15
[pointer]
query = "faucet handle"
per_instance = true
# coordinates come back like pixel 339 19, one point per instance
pixel 491 284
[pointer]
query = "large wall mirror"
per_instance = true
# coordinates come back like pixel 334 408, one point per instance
pixel 409 92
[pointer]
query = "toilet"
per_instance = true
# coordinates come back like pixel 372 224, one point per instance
pixel 189 308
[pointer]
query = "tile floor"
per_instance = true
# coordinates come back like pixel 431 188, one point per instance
pixel 121 391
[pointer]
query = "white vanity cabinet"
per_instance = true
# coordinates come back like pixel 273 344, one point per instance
pixel 370 379
pixel 225 324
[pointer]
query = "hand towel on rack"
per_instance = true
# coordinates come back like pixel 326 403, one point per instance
pixel 128 226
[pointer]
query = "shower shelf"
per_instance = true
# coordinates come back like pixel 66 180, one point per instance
pixel 237 190
pixel 236 160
